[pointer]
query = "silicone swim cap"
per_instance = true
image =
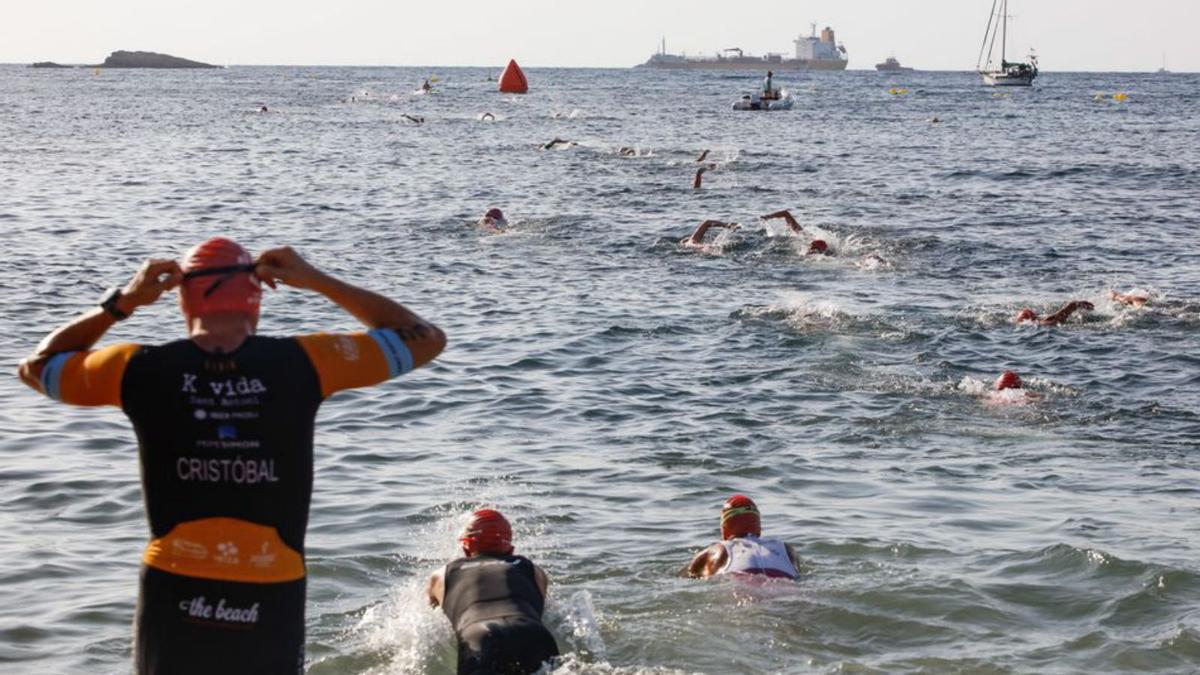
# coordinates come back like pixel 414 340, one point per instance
pixel 818 246
pixel 739 517
pixel 1008 380
pixel 236 289
pixel 1027 315
pixel 496 214
pixel 488 531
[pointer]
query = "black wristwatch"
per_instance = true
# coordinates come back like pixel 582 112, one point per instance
pixel 109 304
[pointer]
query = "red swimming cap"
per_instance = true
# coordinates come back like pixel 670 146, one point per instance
pixel 488 531
pixel 818 246
pixel 739 517
pixel 236 291
pixel 1027 315
pixel 1008 380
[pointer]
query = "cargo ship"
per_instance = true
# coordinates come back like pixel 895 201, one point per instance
pixel 815 52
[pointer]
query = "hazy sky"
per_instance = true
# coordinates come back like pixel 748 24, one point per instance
pixel 930 34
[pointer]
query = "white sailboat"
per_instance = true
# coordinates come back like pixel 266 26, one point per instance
pixel 1004 73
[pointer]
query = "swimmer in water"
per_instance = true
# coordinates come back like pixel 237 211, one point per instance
pixel 494 219
pixel 742 551
pixel 697 237
pixel 556 142
pixel 1010 381
pixel 263 109
pixel 699 179
pixel 487 116
pixel 494 600
pixel 426 87
pixel 1128 298
pixel 702 156
pixel 1027 315
pixel 414 120
pixel 627 152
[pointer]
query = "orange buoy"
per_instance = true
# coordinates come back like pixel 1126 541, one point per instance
pixel 513 80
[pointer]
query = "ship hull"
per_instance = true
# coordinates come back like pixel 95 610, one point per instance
pixel 788 65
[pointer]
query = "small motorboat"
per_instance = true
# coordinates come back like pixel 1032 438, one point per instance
pixel 779 99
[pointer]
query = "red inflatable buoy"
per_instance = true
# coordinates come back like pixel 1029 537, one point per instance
pixel 513 80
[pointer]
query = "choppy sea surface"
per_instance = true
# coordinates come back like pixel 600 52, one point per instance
pixel 608 387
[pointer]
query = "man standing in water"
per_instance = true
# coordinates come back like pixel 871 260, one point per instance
pixel 224 421
pixel 741 550
pixel 494 600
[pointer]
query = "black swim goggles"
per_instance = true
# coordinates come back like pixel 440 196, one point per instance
pixel 227 272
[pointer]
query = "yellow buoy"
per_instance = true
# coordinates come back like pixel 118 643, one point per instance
pixel 897 91
pixel 1120 97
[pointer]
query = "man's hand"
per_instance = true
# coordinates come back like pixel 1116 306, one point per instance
pixel 286 266
pixel 153 278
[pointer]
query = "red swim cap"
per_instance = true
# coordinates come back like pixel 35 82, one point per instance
pixel 1027 315
pixel 488 531
pixel 818 246
pixel 739 517
pixel 234 291
pixel 1008 380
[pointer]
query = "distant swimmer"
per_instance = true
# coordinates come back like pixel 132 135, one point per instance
pixel 703 156
pixel 627 152
pixel 699 179
pixel 263 109
pixel 1128 298
pixel 414 120
pixel 493 219
pixel 426 86
pixel 224 421
pixel 697 237
pixel 1027 315
pixel 742 551
pixel 556 142
pixel 791 221
pixel 494 600
pixel 819 247
pixel 487 117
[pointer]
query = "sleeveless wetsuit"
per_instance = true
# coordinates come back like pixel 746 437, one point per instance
pixel 495 606
pixel 226 449
pixel 752 555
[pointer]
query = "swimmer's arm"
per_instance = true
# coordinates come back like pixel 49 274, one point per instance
pixel 698 236
pixel 436 590
pixel 540 578
pixel 422 338
pixel 1066 311
pixel 1128 298
pixel 153 278
pixel 787 217
pixel 699 177
pixel 707 562
pixel 702 157
pixel 791 552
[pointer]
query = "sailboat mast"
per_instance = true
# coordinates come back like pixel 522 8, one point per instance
pixel 1004 36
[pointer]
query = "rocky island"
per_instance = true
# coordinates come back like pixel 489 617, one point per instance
pixel 123 59
pixel 49 64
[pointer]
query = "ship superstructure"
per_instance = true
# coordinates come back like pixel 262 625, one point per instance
pixel 813 52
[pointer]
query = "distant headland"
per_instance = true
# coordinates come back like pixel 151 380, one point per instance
pixel 124 59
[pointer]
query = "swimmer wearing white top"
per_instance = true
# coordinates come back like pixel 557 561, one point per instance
pixel 742 551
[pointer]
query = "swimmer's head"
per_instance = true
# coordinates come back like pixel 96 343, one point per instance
pixel 1027 315
pixel 818 247
pixel 1008 380
pixel 218 276
pixel 495 217
pixel 487 532
pixel 739 518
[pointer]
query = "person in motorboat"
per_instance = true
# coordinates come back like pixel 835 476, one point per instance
pixel 697 238
pixel 494 220
pixel 494 600
pixel 1027 315
pixel 769 93
pixel 426 86
pixel 743 551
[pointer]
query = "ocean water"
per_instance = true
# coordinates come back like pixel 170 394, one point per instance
pixel 608 387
